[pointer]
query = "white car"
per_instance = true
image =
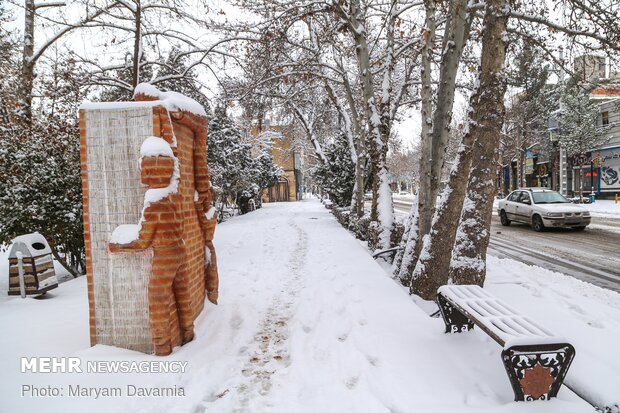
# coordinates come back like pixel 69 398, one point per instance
pixel 541 208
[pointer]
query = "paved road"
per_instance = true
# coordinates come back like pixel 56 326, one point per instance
pixel 592 255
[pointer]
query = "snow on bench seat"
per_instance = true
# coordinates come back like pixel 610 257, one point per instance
pixel 502 322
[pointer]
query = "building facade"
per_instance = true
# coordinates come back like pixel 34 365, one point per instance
pixel 285 155
pixel 597 171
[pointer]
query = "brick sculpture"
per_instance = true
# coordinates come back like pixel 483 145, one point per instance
pixel 160 229
pixel 149 250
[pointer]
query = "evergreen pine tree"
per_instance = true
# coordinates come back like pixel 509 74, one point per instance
pixel 229 156
pixel 579 132
pixel 41 188
pixel 337 175
pixel 188 85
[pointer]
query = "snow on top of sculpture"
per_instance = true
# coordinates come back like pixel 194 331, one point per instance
pixel 172 101
pixel 155 146
pixel 151 147
pixel 175 99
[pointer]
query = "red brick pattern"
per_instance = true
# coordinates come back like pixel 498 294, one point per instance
pixel 87 244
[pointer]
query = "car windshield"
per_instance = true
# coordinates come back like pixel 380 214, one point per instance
pixel 549 197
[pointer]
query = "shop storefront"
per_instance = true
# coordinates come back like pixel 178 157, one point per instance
pixel 544 174
pixel 608 171
pixel 584 175
pixel 530 170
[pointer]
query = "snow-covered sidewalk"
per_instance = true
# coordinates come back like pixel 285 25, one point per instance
pixel 604 208
pixel 309 322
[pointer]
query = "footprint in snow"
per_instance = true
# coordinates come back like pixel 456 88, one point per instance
pixel 236 321
pixel 596 324
pixel 575 308
pixel 351 382
pixel 374 361
pixel 342 308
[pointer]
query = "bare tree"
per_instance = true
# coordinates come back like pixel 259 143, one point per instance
pixel 435 129
pixel 33 53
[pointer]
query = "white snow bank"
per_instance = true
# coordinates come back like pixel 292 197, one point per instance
pixel 604 208
pixel 155 146
pixel 125 234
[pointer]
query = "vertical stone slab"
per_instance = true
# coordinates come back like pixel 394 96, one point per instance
pixel 118 283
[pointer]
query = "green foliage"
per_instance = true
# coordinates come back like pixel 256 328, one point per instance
pixel 337 175
pixel 41 188
pixel 237 175
pixel 538 99
pixel 579 129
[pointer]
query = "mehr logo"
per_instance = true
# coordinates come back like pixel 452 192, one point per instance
pixel 74 365
pixel 50 365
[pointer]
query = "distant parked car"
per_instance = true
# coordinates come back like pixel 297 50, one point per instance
pixel 368 196
pixel 542 208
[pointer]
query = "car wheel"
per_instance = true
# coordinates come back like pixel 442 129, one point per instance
pixel 579 228
pixel 504 218
pixel 537 223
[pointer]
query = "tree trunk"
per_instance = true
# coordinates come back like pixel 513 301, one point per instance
pixel 27 63
pixel 468 264
pixel 434 142
pixel 406 258
pixel 350 127
pixel 382 209
pixel 60 259
pixel 360 149
pixel 457 36
pixel 426 202
pixel 137 46
pixel 486 107
pixel 419 220
pixel 522 165
pixel 357 203
pixel 580 180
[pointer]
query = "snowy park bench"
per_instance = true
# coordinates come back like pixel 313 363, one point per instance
pixel 536 361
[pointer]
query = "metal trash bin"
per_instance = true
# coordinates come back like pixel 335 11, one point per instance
pixel 37 266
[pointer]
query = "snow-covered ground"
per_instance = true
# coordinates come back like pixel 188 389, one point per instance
pixel 605 208
pixel 309 322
